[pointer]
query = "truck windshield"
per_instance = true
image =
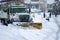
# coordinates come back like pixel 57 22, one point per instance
pixel 19 10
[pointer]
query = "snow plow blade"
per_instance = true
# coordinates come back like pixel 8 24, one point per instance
pixel 37 25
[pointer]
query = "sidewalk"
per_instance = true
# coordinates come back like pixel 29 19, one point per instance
pixel 57 20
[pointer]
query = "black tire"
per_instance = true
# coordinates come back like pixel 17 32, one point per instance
pixel 9 21
pixel 4 22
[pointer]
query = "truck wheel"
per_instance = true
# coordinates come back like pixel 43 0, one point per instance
pixel 4 22
pixel 9 22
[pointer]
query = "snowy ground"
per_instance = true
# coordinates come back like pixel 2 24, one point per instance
pixel 12 32
pixel 57 20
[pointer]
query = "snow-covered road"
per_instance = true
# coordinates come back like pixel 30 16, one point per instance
pixel 48 32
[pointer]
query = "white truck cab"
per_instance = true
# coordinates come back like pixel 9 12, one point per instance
pixel 19 14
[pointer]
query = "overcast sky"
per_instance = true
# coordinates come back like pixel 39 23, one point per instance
pixel 50 1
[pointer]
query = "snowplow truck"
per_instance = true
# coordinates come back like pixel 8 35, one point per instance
pixel 15 14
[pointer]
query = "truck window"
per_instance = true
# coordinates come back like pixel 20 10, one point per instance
pixel 19 10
